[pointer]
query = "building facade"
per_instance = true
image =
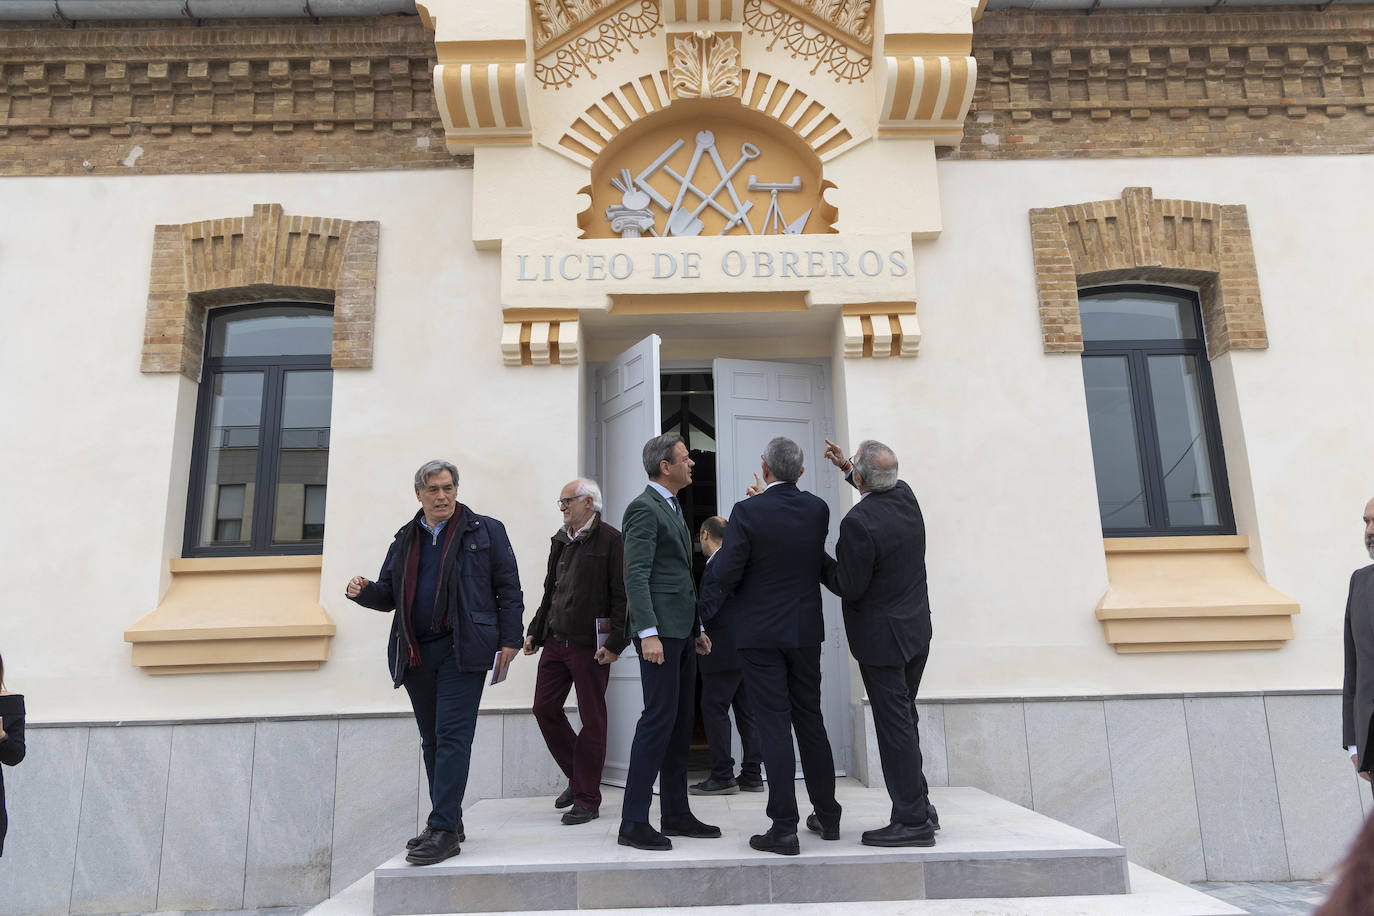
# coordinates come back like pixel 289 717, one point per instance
pixel 1098 277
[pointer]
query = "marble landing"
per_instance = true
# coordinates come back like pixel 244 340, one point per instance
pixel 519 857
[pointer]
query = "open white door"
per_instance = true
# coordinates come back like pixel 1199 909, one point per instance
pixel 756 401
pixel 628 414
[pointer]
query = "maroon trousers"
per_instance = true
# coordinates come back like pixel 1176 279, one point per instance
pixel 580 755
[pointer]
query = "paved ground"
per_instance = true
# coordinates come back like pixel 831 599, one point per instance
pixel 1264 898
pixel 1259 898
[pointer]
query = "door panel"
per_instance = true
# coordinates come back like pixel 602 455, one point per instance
pixel 756 401
pixel 628 414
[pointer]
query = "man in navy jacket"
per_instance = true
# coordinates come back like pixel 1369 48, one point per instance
pixel 450 576
pixel 771 563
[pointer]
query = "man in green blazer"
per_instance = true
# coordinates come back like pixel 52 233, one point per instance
pixel 661 613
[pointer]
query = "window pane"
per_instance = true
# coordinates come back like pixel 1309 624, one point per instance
pixel 275 331
pixel 1137 316
pixel 1116 453
pixel 231 459
pixel 303 460
pixel 1183 448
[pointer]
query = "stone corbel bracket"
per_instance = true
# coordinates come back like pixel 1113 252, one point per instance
pixel 540 337
pixel 926 96
pixel 480 84
pixel 880 330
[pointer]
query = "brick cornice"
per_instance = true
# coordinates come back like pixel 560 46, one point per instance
pixel 275 95
pixel 1059 85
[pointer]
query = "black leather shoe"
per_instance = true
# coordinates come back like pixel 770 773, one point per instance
pixel 750 784
pixel 813 823
pixel 579 815
pixel 687 825
pixel 900 835
pixel 565 799
pixel 642 836
pixel 438 846
pixel 713 786
pixel 424 835
pixel 934 819
pixel 784 844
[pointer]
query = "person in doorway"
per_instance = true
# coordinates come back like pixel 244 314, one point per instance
pixel 722 683
pixel 11 742
pixel 770 569
pixel 584 586
pixel 450 575
pixel 660 608
pixel 879 570
pixel 1357 706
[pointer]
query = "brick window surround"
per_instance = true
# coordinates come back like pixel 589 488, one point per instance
pixel 1140 239
pixel 262 257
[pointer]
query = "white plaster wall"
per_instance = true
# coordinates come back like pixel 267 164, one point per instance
pixel 992 431
pixel 89 514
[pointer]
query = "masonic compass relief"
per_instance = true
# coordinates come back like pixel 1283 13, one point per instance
pixel 662 201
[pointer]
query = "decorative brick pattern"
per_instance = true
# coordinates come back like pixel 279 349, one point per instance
pixel 1170 83
pixel 1151 241
pixel 176 97
pixel 266 256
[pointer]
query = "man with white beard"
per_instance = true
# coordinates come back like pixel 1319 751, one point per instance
pixel 1357 708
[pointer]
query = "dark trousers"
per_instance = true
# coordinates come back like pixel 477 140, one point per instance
pixel 785 687
pixel 892 697
pixel 663 734
pixel 720 690
pixel 580 755
pixel 445 702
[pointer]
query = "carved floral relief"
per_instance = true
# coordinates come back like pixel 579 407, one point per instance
pixel 704 65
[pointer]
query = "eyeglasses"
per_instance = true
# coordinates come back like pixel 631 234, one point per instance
pixel 564 502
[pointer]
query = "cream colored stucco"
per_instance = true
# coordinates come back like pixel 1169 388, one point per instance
pixel 992 432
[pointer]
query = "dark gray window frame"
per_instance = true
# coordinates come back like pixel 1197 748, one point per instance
pixel 273 369
pixel 1152 470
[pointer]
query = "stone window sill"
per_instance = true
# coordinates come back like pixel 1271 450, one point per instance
pixel 235 614
pixel 1190 594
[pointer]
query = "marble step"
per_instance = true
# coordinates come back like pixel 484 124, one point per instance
pixel 519 857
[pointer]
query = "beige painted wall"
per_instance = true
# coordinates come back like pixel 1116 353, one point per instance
pixel 992 432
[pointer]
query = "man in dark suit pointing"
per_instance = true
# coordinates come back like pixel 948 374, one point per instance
pixel 1357 708
pixel 879 570
pixel 771 563
pixel 661 615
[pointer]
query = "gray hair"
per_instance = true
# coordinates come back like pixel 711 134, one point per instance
pixel 660 449
pixel 877 465
pixel 430 468
pixel 784 458
pixel 587 487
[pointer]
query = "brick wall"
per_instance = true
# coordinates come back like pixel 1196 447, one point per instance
pixel 1063 85
pixel 248 96
pixel 290 95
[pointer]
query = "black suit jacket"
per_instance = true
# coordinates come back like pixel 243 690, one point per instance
pixel 880 571
pixel 770 568
pixel 718 620
pixel 1357 707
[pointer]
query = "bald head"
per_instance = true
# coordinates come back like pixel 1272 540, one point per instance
pixel 1369 528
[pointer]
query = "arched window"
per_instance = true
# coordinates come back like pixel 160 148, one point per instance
pixel 1152 414
pixel 261 454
